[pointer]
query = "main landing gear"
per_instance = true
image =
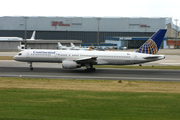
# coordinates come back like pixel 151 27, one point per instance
pixel 91 69
pixel 31 68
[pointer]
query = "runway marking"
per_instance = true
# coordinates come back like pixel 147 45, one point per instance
pixel 91 77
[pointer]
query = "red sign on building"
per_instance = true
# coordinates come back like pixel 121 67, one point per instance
pixel 144 26
pixel 56 23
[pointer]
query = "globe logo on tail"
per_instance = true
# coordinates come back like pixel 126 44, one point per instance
pixel 149 47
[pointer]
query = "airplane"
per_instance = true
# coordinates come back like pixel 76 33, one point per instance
pixel 22 47
pixel 73 47
pixel 62 47
pixel 72 59
pixel 79 48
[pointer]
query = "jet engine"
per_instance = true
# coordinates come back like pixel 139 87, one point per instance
pixel 67 64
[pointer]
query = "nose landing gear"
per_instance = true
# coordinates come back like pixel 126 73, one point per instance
pixel 31 68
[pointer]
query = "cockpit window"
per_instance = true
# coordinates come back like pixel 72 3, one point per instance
pixel 19 54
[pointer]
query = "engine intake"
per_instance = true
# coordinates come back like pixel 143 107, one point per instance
pixel 70 64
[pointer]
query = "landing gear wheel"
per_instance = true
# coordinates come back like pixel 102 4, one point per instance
pixel 31 69
pixel 93 69
pixel 90 70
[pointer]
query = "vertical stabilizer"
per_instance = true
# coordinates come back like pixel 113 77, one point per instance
pixel 59 44
pixel 72 45
pixel 33 36
pixel 151 46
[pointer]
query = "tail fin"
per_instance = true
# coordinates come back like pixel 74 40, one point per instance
pixel 33 36
pixel 72 45
pixel 90 48
pixel 59 44
pixel 112 48
pixel 151 46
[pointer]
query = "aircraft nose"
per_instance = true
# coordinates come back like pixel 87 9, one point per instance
pixel 15 57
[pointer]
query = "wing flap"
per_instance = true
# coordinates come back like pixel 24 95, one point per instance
pixel 86 60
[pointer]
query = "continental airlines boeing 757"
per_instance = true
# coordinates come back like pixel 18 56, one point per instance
pixel 72 59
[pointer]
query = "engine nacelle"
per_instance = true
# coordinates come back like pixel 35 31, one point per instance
pixel 70 64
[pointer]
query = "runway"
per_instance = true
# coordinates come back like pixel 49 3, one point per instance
pixel 11 68
pixel 99 74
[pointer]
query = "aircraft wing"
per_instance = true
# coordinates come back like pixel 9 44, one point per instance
pixel 86 60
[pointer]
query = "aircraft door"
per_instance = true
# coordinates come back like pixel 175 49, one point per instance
pixel 28 54
pixel 57 55
pixel 135 57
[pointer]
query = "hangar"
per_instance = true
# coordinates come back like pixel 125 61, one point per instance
pixel 89 30
pixel 49 44
pixel 131 42
pixel 12 43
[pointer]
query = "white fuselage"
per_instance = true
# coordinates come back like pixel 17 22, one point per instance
pixel 102 57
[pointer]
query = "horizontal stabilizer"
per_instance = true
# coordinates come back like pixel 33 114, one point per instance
pixel 154 57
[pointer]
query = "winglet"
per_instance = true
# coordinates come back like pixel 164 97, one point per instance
pixel 151 46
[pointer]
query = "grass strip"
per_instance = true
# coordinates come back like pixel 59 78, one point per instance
pixel 6 57
pixel 91 85
pixel 42 104
pixel 32 99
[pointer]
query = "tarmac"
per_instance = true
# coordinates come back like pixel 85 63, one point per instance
pixel 99 74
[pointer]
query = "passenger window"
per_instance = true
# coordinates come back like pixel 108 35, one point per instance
pixel 20 54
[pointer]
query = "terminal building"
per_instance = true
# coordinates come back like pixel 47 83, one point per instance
pixel 129 32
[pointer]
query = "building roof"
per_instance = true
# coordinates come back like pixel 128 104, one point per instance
pixel 169 21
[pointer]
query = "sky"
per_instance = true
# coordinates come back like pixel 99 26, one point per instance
pixel 92 8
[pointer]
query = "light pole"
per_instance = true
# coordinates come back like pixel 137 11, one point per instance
pixel 98 33
pixel 25 32
pixel 176 34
